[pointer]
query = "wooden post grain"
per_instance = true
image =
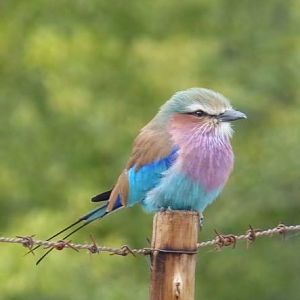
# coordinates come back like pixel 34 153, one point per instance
pixel 175 233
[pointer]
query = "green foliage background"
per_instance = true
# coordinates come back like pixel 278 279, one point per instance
pixel 78 79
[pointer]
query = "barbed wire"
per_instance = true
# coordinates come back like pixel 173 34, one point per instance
pixel 218 242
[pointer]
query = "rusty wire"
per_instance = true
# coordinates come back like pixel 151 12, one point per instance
pixel 219 241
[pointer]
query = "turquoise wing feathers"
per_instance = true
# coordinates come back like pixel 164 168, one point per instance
pixel 148 176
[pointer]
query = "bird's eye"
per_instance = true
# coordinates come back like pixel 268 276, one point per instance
pixel 199 113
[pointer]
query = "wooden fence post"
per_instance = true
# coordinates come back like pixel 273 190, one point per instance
pixel 175 233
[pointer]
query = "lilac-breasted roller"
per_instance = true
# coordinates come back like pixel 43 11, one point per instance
pixel 180 160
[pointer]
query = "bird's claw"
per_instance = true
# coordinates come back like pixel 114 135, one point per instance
pixel 201 220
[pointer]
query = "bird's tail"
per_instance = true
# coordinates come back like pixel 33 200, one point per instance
pixel 97 213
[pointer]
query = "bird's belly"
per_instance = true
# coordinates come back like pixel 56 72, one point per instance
pixel 179 192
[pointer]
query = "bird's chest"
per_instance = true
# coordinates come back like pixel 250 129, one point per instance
pixel 207 160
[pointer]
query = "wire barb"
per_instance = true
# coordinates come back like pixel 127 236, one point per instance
pixel 251 235
pixel 282 229
pixel 93 247
pixel 224 240
pixel 27 242
pixel 218 242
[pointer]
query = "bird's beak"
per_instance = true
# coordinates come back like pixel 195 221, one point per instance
pixel 231 115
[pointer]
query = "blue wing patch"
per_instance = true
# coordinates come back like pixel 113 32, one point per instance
pixel 148 176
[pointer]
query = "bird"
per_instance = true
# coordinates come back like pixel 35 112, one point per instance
pixel 180 160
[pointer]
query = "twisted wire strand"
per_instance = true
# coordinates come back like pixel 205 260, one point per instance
pixel 219 241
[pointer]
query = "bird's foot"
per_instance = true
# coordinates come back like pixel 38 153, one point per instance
pixel 201 220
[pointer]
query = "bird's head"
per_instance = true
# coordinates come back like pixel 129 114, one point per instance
pixel 199 108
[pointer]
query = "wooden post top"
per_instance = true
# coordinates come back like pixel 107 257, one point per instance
pixel 175 230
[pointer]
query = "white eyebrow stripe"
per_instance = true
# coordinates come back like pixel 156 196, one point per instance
pixel 195 106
